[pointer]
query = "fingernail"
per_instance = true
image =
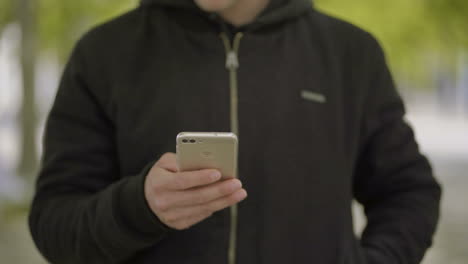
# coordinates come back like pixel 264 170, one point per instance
pixel 243 194
pixel 236 184
pixel 215 175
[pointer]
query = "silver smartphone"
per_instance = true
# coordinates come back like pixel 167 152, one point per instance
pixel 208 150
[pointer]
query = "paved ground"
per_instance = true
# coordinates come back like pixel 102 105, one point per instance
pixel 15 243
pixel 444 137
pixel 451 242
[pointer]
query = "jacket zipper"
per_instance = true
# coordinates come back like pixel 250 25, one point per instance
pixel 232 64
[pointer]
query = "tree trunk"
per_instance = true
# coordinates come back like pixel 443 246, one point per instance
pixel 28 48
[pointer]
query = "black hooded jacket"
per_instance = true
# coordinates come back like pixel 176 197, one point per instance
pixel 319 121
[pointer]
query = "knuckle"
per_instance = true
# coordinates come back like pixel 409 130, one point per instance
pixel 161 204
pixel 229 187
pixel 166 156
pixel 182 224
pixel 205 176
pixel 224 189
pixel 158 187
pixel 171 219
pixel 156 171
pixel 211 207
pixel 232 198
pixel 186 225
pixel 202 177
pixel 157 182
pixel 180 183
pixel 201 198
pixel 206 210
pixel 177 226
pixel 228 201
pixel 207 214
pixel 165 160
pixel 164 219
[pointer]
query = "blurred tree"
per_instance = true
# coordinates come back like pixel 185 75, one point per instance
pixel 63 22
pixel 451 23
pixel 6 13
pixel 410 31
pixel 47 26
pixel 26 14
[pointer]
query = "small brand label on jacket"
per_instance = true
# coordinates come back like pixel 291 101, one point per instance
pixel 314 97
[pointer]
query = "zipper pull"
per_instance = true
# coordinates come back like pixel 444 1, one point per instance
pixel 232 60
pixel 232 54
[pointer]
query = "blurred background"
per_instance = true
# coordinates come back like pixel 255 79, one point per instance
pixel 426 42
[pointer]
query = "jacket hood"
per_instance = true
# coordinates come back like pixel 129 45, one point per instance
pixel 276 12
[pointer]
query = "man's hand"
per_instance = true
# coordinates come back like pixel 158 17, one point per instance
pixel 182 199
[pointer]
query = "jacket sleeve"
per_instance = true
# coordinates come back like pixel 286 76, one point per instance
pixel 83 210
pixel 393 180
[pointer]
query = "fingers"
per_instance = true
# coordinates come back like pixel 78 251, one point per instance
pixel 183 180
pixel 182 199
pixel 224 202
pixel 185 223
pixel 191 179
pixel 184 217
pixel 205 194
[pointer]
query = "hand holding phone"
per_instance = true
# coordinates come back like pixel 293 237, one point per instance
pixel 181 199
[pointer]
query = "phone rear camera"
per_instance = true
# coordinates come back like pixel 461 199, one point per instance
pixel 184 140
pixel 192 141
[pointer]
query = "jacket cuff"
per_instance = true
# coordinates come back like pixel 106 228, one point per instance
pixel 376 257
pixel 136 209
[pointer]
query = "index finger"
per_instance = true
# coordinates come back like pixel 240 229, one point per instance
pixel 189 179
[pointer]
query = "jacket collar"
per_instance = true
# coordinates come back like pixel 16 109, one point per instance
pixel 277 11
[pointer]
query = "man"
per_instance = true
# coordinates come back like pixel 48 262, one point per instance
pixel 319 123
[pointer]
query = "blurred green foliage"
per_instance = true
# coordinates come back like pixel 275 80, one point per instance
pixel 413 33
pixel 6 12
pixel 61 23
